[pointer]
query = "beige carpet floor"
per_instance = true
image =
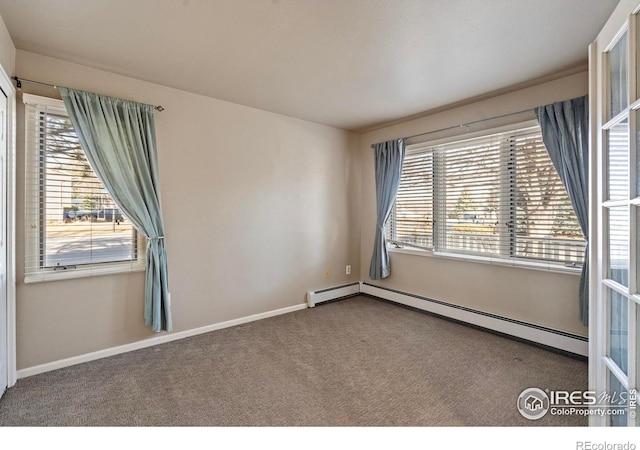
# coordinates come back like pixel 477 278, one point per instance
pixel 354 362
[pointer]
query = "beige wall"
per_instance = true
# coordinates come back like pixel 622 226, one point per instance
pixel 543 298
pixel 7 50
pixel 256 205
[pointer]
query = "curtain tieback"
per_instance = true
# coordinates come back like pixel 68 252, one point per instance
pixel 155 237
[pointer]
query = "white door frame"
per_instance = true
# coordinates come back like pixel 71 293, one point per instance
pixel 601 366
pixel 7 86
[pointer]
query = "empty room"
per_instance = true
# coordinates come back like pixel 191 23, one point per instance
pixel 287 213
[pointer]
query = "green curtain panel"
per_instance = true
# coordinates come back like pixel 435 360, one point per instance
pixel 119 140
pixel 389 157
pixel 565 132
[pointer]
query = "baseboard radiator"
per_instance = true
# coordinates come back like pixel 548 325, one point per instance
pixel 548 337
pixel 333 293
pixel 533 333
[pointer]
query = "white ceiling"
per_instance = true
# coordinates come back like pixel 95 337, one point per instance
pixel 345 63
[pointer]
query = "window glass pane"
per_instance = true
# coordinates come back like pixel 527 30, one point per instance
pixel 546 225
pixel 618 161
pixel 497 195
pixel 637 181
pixel 618 64
pixel 411 220
pixel 80 223
pixel 618 329
pixel 637 316
pixel 618 240
pixel 473 171
pixel 636 211
pixel 618 400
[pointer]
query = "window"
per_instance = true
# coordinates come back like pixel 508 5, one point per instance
pixel 494 196
pixel 74 228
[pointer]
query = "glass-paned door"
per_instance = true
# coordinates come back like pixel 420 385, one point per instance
pixel 615 215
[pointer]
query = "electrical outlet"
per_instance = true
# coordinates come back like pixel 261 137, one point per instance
pixel 327 273
pixel 348 271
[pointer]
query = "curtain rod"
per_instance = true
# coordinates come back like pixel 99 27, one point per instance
pixel 466 124
pixel 19 82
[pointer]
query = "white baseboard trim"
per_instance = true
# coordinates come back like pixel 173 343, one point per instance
pixel 333 293
pixel 546 336
pixel 537 334
pixel 168 337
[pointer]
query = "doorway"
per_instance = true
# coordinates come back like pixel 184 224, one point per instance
pixel 615 216
pixel 4 128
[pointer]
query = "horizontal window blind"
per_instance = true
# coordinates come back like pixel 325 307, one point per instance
pixel 496 195
pixel 470 195
pixel 72 222
pixel 617 216
pixel 412 215
pixel 545 224
pixel 618 161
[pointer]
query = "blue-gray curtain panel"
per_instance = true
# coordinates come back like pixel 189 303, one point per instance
pixel 565 132
pixel 389 157
pixel 119 140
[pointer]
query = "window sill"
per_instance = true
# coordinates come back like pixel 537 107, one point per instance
pixel 532 265
pixel 84 272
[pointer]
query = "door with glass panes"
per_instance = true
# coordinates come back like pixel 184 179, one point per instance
pixel 615 215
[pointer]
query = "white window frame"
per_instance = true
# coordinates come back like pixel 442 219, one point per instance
pixel 32 231
pixel 416 147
